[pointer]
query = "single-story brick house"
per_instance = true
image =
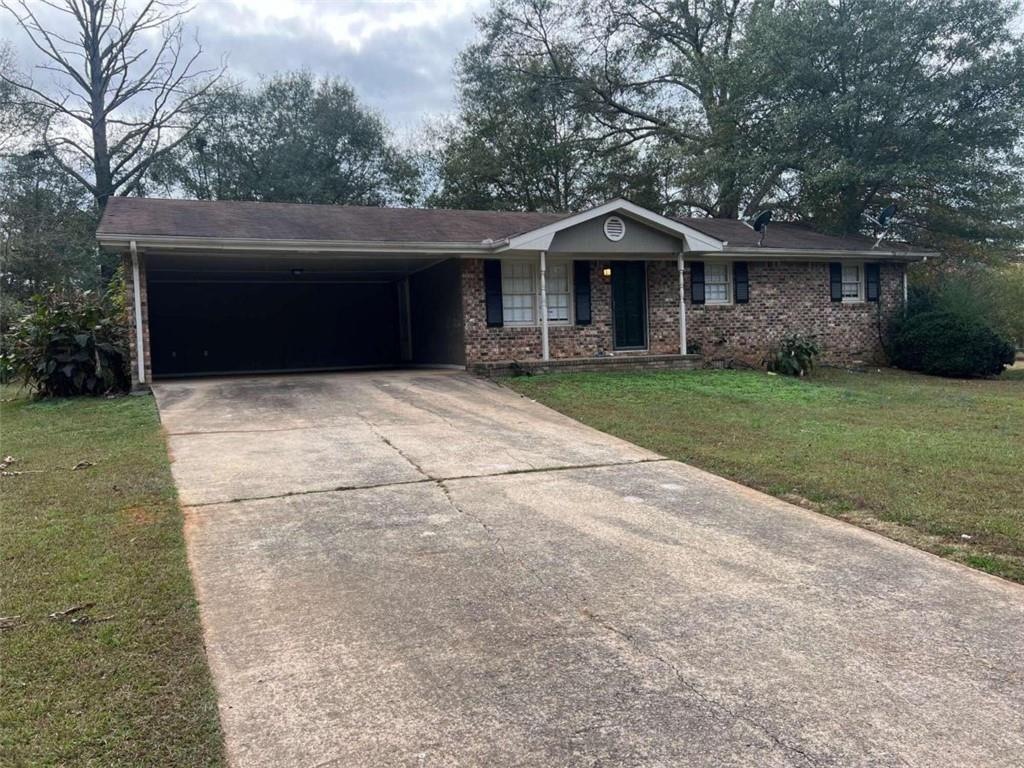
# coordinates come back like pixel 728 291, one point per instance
pixel 223 287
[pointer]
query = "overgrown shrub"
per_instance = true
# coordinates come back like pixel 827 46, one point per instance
pixel 71 343
pixel 948 343
pixel 795 355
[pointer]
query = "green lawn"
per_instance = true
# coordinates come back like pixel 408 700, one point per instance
pixel 129 685
pixel 923 460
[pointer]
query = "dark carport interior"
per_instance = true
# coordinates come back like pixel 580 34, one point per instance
pixel 288 312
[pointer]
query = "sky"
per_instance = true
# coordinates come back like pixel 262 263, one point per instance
pixel 398 54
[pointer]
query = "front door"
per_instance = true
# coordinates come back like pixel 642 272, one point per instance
pixel 629 304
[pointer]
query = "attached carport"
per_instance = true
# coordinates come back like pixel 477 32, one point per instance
pixel 213 313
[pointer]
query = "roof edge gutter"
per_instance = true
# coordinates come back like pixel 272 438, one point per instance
pixel 794 254
pixel 169 243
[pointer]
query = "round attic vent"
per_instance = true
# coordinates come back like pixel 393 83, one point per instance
pixel 614 228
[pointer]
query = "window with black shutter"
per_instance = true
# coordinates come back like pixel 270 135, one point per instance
pixel 581 291
pixel 492 292
pixel 835 279
pixel 872 281
pixel 741 281
pixel 696 282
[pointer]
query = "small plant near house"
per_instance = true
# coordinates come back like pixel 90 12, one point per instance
pixel 70 343
pixel 795 355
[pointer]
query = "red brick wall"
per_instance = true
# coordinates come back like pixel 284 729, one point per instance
pixel 793 297
pixel 485 344
pixel 785 297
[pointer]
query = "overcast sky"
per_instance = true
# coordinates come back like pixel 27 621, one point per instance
pixel 398 54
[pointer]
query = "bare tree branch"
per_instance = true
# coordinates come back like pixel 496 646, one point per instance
pixel 133 97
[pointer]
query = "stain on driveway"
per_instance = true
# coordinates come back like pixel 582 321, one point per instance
pixel 422 568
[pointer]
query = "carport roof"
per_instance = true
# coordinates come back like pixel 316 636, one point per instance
pixel 223 221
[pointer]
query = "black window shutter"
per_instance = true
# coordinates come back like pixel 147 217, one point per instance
pixel 492 292
pixel 835 278
pixel 741 282
pixel 872 281
pixel 581 291
pixel 696 282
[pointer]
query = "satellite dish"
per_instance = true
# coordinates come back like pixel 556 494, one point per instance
pixel 761 220
pixel 760 223
pixel 882 222
pixel 887 214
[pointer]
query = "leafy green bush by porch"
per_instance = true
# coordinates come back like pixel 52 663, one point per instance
pixel 70 343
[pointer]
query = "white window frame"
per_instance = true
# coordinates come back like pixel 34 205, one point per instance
pixel 534 267
pixel 729 297
pixel 861 292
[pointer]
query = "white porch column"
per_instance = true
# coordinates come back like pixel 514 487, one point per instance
pixel 140 346
pixel 682 303
pixel 545 353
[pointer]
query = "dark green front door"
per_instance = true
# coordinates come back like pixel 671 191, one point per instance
pixel 629 304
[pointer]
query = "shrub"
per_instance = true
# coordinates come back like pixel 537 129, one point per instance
pixel 794 356
pixel 70 344
pixel 946 343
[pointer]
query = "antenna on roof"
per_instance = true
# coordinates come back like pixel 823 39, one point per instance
pixel 760 223
pixel 882 222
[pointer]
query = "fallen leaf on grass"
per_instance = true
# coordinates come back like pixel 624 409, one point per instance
pixel 82 465
pixel 86 619
pixel 7 461
pixel 8 622
pixel 59 615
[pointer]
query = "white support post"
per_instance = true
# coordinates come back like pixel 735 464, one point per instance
pixel 545 352
pixel 906 296
pixel 682 303
pixel 140 347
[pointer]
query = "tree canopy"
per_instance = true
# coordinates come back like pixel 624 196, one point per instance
pixel 821 109
pixel 294 138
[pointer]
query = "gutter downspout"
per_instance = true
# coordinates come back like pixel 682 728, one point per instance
pixel 545 352
pixel 682 303
pixel 140 350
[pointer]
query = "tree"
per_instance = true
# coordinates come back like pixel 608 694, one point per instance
pixel 118 103
pixel 875 101
pixel 523 141
pixel 293 139
pixel 669 78
pixel 47 229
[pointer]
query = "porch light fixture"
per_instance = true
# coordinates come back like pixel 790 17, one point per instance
pixel 296 272
pixel 606 274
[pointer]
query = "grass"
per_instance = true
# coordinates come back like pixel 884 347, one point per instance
pixel 129 686
pixel 923 460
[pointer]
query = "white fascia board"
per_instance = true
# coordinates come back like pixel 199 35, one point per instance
pixel 540 239
pixel 788 254
pixel 220 244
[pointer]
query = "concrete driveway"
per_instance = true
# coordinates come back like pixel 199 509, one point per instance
pixel 424 569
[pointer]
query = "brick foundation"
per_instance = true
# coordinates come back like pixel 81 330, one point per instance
pixel 785 297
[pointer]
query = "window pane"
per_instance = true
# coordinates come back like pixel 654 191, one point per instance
pixel 557 284
pixel 518 292
pixel 851 281
pixel 716 283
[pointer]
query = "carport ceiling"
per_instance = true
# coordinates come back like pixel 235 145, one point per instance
pixel 272 267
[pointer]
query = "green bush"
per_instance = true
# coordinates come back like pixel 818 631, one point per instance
pixel 947 343
pixel 795 355
pixel 70 343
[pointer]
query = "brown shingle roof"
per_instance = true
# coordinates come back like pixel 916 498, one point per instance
pixel 141 217
pixel 782 235
pixel 289 221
